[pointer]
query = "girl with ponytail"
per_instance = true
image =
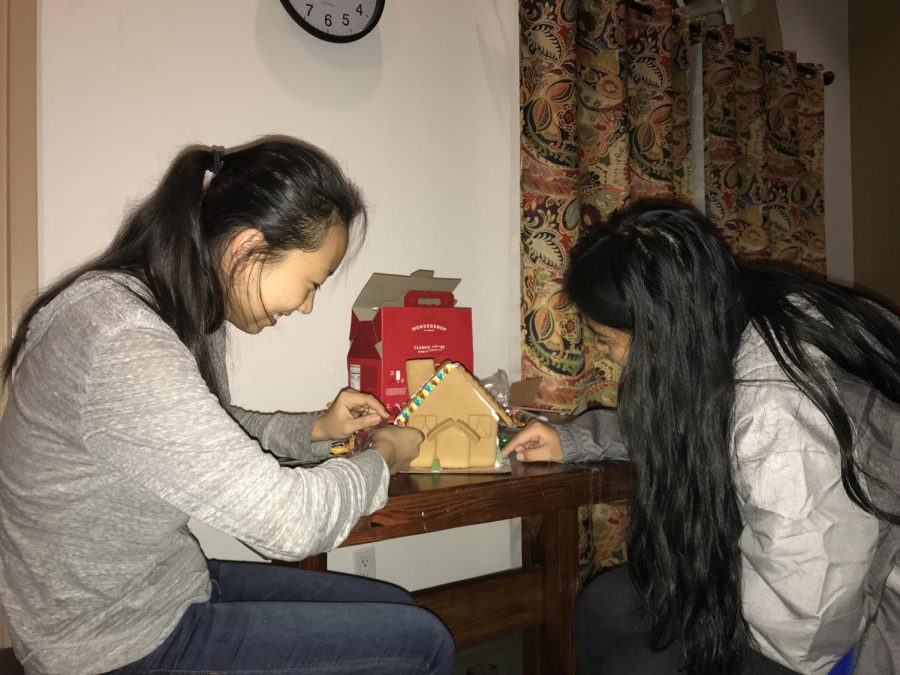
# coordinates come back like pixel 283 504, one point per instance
pixel 119 428
pixel 760 409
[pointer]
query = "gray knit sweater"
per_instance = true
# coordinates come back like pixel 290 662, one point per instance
pixel 110 441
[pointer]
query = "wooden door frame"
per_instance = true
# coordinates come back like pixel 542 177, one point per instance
pixel 18 174
pixel 18 161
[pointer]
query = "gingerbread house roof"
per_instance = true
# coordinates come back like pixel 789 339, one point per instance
pixel 448 369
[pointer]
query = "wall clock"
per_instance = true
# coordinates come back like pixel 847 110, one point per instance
pixel 335 20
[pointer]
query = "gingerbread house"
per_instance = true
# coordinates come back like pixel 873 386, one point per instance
pixel 457 415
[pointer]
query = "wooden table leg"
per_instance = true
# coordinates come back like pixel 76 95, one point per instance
pixel 551 540
pixel 316 563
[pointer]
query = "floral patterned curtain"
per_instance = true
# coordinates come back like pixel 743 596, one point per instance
pixel 606 98
pixel 764 151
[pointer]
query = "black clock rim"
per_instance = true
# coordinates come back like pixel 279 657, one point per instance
pixel 328 37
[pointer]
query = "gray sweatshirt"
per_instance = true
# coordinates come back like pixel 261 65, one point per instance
pixel 110 442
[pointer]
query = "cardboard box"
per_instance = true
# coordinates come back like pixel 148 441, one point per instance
pixel 523 394
pixel 397 318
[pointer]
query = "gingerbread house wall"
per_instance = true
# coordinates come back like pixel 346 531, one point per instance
pixel 455 399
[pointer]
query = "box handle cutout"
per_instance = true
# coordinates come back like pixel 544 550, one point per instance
pixel 428 299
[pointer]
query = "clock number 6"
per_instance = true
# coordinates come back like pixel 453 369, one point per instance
pixel 328 20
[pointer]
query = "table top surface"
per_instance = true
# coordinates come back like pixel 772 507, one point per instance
pixel 429 502
pixel 406 484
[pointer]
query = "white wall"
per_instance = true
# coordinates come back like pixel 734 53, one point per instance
pixel 422 113
pixel 817 31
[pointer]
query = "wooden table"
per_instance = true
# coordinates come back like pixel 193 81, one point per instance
pixel 538 598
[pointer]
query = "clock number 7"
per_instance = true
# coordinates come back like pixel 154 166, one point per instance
pixel 309 9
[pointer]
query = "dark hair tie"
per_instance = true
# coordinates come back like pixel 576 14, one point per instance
pixel 217 155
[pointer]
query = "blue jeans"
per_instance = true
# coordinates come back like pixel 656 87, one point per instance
pixel 285 621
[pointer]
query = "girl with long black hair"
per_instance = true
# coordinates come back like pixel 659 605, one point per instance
pixel 761 410
pixel 119 428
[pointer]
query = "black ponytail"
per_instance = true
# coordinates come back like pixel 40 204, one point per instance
pixel 290 191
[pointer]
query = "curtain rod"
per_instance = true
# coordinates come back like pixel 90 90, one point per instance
pixel 744 46
pixel 696 27
pixel 808 70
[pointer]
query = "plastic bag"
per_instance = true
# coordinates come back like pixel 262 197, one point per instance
pixel 497 385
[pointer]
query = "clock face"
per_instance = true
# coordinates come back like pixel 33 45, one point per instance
pixel 335 20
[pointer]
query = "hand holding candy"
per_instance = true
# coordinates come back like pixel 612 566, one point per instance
pixel 351 411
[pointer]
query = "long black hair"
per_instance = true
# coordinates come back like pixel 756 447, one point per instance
pixel 658 270
pixel 289 190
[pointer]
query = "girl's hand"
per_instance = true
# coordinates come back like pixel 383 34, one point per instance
pixel 398 445
pixel 351 411
pixel 537 442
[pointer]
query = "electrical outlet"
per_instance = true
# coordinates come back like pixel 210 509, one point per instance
pixel 364 562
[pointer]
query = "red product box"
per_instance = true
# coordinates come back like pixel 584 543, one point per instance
pixel 398 317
